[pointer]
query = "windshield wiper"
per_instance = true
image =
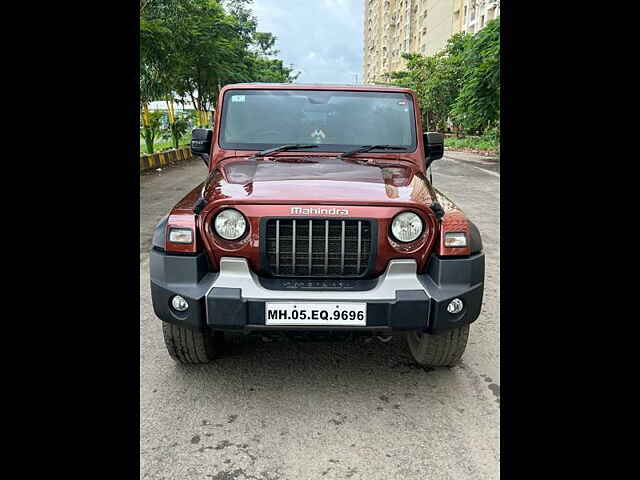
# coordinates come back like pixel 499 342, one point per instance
pixel 282 148
pixel 368 148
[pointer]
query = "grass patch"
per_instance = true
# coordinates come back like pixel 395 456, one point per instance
pixel 160 145
pixel 484 143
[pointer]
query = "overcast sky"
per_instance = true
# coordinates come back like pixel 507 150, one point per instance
pixel 321 38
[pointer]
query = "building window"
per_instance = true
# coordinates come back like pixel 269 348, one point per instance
pixel 482 21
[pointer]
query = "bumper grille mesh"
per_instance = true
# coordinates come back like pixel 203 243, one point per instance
pixel 318 247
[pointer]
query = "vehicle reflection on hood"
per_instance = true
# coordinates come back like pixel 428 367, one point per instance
pixel 317 179
pixel 309 168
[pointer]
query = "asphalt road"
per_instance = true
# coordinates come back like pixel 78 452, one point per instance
pixel 324 410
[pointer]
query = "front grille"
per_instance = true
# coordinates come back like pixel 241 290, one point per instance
pixel 318 247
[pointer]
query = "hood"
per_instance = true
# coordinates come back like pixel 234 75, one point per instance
pixel 319 180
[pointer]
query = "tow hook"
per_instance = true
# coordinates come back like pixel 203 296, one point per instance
pixel 384 339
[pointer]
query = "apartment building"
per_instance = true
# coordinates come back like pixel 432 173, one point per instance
pixel 471 16
pixel 393 27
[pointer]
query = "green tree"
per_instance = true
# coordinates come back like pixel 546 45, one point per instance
pixel 436 80
pixel 189 49
pixel 205 50
pixel 150 129
pixel 477 106
pixel 265 42
pixel 160 20
pixel 271 70
pixel 460 84
pixel 176 130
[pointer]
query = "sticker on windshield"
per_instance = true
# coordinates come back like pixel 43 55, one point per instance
pixel 318 135
pixel 237 98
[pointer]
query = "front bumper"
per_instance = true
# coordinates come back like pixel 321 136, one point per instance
pixel 399 300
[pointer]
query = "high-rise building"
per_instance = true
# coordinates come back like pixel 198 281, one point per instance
pixel 393 27
pixel 473 15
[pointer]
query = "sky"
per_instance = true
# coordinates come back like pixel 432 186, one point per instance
pixel 321 38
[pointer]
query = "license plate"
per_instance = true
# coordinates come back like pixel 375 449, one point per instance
pixel 326 314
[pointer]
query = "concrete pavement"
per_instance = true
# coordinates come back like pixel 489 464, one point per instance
pixel 330 410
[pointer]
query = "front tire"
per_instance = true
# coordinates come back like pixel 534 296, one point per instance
pixel 443 349
pixel 189 346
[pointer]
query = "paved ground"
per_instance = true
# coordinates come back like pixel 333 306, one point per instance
pixel 302 410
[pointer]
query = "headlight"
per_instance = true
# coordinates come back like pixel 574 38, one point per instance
pixel 455 239
pixel 180 235
pixel 406 227
pixel 230 224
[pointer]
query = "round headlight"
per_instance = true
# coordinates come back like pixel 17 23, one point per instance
pixel 406 227
pixel 230 224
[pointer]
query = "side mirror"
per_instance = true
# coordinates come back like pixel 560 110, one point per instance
pixel 201 143
pixel 433 146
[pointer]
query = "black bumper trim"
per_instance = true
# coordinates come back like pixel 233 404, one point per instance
pixel 225 308
pixel 187 276
pixel 454 277
pixel 228 310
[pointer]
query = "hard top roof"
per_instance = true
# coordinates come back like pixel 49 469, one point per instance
pixel 317 86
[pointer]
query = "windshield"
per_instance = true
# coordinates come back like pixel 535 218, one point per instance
pixel 335 121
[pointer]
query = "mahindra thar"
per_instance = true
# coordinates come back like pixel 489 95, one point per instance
pixel 317 215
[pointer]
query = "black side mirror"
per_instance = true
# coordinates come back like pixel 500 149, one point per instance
pixel 201 143
pixel 433 146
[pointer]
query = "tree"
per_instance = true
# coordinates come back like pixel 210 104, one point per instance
pixel 211 52
pixel 271 71
pixel 477 106
pixel 160 20
pixel 436 80
pixel 151 124
pixel 265 42
pixel 444 85
pixel 264 67
pixel 189 49
pixel 176 130
pixel 460 84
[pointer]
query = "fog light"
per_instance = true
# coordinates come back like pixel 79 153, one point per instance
pixel 179 303
pixel 455 306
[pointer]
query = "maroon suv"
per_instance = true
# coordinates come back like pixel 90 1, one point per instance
pixel 317 215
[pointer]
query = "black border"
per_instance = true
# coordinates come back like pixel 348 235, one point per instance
pixel 76 362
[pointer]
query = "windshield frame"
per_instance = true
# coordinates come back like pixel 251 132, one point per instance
pixel 320 148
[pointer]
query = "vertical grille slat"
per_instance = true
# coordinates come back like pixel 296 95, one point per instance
pixel 277 246
pixel 293 245
pixel 310 245
pixel 326 247
pixel 359 243
pixel 342 250
pixel 331 248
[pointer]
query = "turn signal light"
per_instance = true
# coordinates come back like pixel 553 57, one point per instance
pixel 455 239
pixel 181 235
